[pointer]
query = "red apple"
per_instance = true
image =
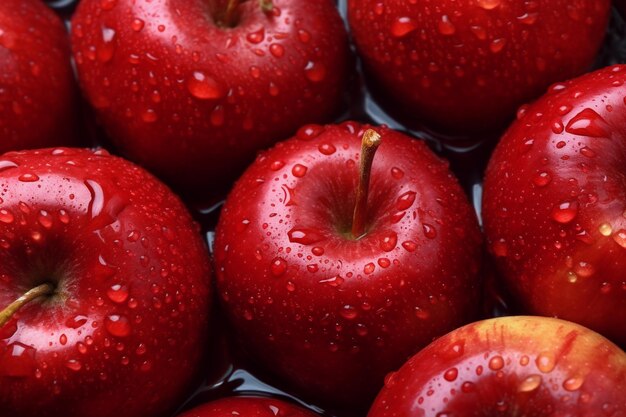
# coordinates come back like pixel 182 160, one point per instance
pixel 510 366
pixel 191 89
pixel 328 309
pixel 464 66
pixel 115 280
pixel 248 407
pixel 37 89
pixel 554 204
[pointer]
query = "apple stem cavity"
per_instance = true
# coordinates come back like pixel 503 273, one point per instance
pixel 32 294
pixel 369 144
pixel 230 17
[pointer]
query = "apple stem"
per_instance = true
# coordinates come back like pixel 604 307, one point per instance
pixel 30 295
pixel 369 144
pixel 229 18
pixel 229 15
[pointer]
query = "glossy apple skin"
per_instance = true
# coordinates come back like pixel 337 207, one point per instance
pixel 37 90
pixel 554 204
pixel 124 333
pixel 329 314
pixel 194 102
pixel 464 66
pixel 248 407
pixel 530 366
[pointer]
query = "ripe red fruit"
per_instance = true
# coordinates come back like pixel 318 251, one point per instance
pixel 464 66
pixel 37 89
pixel 554 204
pixel 192 94
pixel 248 407
pixel 527 366
pixel 327 312
pixel 117 323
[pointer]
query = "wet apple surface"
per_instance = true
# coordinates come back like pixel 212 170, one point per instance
pixel 231 372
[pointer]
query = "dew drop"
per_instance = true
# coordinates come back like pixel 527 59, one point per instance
pixel 565 212
pixel 402 26
pixel 542 179
pixel 277 50
pixel 573 384
pixel 605 229
pixel 445 26
pixel 315 71
pixel 6 216
pixel 73 365
pixel 28 177
pixel 429 231
pixel 348 312
pixel 389 241
pixel 496 363
pixel 203 87
pixel 117 293
pixel 278 267
pixel 530 383
pixel 588 123
pixel 327 148
pixel 451 374
pixel 116 325
pixel 545 362
pixel 299 170
pixel 304 236
pixel 137 25
pixel 405 201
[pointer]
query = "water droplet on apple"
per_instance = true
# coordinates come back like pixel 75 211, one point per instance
pixel 4 165
pixel 117 325
pixel 73 365
pixel 315 71
pixel 304 236
pixel 565 212
pixel 496 363
pixel 137 25
pixel 489 4
pixel 588 123
pixel 348 312
pixel 605 229
pixel 6 216
pixel 45 219
pixel 28 177
pixel 397 173
pixel 277 50
pixel 107 48
pixel 299 170
pixel 17 360
pixel 451 374
pixel 542 179
pixel 429 231
pixel 389 241
pixel 405 201
pixel 620 238
pixel 402 26
pixel 573 384
pixel 327 148
pixel 256 36
pixel 278 267
pixel 118 293
pixel 409 245
pixel 530 383
pixel 76 322
pixel 203 87
pixel 545 362
pixel 309 132
pixel 445 26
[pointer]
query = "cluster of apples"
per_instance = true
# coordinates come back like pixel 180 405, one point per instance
pixel 342 252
